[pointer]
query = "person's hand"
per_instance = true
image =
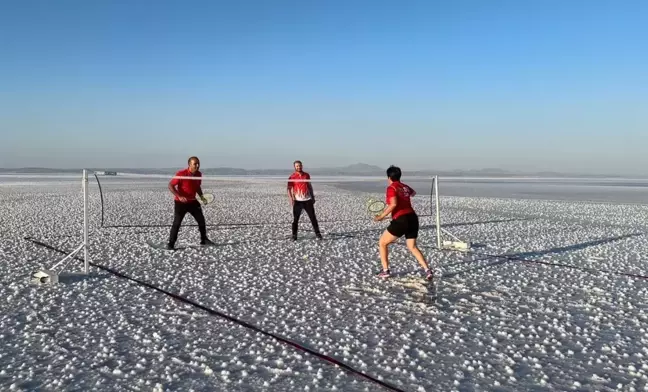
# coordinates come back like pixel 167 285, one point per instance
pixel 313 201
pixel 203 199
pixel 292 202
pixel 378 218
pixel 182 199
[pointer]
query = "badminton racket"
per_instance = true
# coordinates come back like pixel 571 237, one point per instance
pixel 207 198
pixel 375 207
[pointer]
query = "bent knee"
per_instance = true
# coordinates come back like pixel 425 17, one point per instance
pixel 384 242
pixel 386 239
pixel 411 244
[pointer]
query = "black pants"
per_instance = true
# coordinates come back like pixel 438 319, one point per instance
pixel 179 212
pixel 309 206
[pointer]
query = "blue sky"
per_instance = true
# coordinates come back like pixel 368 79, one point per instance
pixel 538 85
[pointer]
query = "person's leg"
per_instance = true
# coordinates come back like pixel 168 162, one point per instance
pixel 297 209
pixel 416 252
pixel 410 239
pixel 388 236
pixel 196 211
pixel 179 211
pixel 309 206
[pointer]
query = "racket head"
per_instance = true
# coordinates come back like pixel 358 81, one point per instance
pixel 376 206
pixel 209 198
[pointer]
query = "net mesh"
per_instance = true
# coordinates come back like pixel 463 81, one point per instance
pixel 142 201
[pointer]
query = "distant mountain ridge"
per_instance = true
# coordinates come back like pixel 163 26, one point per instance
pixel 357 169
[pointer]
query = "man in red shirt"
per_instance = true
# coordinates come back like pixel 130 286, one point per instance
pixel 302 197
pixel 404 222
pixel 184 192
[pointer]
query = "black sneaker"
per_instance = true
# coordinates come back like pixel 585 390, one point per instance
pixel 206 242
pixel 318 236
pixel 169 247
pixel 294 237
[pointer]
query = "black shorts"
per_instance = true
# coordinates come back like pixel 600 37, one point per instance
pixel 405 225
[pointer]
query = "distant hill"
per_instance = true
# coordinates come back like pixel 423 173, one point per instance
pixel 357 169
pixel 354 170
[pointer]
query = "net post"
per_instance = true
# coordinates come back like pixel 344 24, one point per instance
pixel 85 221
pixel 438 212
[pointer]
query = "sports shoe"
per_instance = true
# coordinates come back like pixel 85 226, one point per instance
pixel 319 236
pixel 207 242
pixel 169 247
pixel 294 237
pixel 429 275
pixel 384 274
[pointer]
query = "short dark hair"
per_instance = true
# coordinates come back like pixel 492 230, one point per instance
pixel 297 161
pixel 192 159
pixel 394 173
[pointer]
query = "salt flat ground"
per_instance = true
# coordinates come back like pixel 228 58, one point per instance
pixel 498 323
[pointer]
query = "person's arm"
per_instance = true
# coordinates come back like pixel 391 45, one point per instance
pixel 388 210
pixel 310 189
pixel 172 187
pixel 200 194
pixel 199 190
pixel 392 202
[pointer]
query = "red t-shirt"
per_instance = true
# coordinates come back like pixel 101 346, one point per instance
pixel 187 188
pixel 403 194
pixel 300 190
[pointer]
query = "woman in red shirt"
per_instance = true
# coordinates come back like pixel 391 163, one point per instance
pixel 404 222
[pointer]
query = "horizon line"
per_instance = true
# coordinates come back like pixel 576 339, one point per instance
pixel 484 171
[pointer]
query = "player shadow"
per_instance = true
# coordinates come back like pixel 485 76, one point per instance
pixel 447 298
pixel 477 268
pixel 500 259
pixel 433 294
pixel 410 285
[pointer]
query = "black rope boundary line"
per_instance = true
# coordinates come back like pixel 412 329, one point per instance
pixel 559 265
pixel 562 265
pixel 227 317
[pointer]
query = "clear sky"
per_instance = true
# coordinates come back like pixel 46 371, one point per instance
pixel 522 85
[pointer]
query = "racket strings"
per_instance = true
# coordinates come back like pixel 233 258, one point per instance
pixel 208 198
pixel 376 206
